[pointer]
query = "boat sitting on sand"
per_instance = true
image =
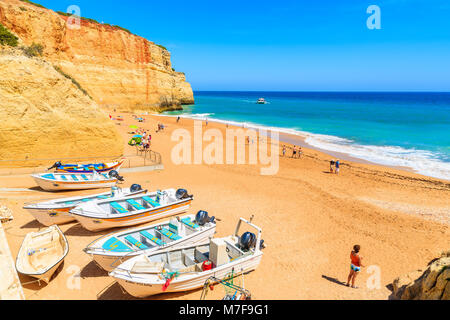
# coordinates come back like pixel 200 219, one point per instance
pixel 57 212
pixel 115 248
pixel 76 181
pixel 42 253
pixel 132 210
pixel 87 168
pixel 188 268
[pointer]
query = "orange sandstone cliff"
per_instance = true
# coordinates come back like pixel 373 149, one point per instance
pixel 116 68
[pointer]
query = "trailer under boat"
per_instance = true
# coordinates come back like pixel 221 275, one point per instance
pixel 76 181
pixel 188 268
pixel 57 211
pixel 132 210
pixel 115 248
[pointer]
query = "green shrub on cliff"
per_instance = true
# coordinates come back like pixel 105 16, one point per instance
pixel 32 3
pixel 36 49
pixel 7 38
pixel 75 82
pixel 162 47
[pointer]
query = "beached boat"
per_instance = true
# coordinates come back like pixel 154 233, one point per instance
pixel 113 249
pixel 57 212
pixel 87 168
pixel 132 210
pixel 42 253
pixel 188 268
pixel 76 181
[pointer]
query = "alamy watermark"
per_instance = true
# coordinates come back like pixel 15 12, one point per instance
pixel 210 147
pixel 374 20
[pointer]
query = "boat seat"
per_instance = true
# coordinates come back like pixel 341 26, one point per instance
pixel 151 237
pixel 118 207
pixel 49 176
pixel 136 243
pixel 135 204
pixel 170 235
pixel 189 223
pixel 115 245
pixel 64 178
pixel 84 177
pixel 152 202
pixel 74 177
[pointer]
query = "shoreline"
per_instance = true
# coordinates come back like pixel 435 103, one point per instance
pixel 299 140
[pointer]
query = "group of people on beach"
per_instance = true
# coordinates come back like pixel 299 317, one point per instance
pixel 336 164
pixel 296 152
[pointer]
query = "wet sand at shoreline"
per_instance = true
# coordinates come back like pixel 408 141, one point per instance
pixel 310 220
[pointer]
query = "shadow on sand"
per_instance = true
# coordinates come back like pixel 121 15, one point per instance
pixel 115 292
pixel 334 280
pixel 78 231
pixel 92 270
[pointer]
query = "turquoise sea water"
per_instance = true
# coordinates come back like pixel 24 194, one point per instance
pixel 398 129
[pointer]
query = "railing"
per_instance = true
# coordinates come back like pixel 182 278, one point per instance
pixel 31 166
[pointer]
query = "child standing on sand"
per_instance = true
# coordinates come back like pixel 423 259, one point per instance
pixel 355 266
pixel 338 164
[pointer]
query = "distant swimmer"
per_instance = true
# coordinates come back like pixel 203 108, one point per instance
pixel 355 266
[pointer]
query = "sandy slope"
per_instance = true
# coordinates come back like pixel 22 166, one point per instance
pixel 310 220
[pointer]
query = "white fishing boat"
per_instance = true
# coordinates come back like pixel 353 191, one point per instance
pixel 113 249
pixel 188 268
pixel 42 253
pixel 76 181
pixel 132 210
pixel 57 211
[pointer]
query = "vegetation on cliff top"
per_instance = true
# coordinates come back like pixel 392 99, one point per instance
pixel 75 82
pixel 7 38
pixel 32 3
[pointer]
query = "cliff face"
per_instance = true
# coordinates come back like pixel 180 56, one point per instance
pixel 44 115
pixel 431 284
pixel 115 67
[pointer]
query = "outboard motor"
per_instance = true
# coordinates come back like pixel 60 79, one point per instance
pixel 115 174
pixel 135 188
pixel 182 194
pixel 203 218
pixel 56 165
pixel 247 241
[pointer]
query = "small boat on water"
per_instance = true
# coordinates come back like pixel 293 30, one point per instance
pixel 188 268
pixel 42 253
pixel 87 168
pixel 57 212
pixel 261 101
pixel 76 181
pixel 113 249
pixel 132 210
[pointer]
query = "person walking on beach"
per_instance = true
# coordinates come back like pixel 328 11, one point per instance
pixel 294 152
pixel 355 266
pixel 178 119
pixel 338 164
pixel 284 150
pixel 332 162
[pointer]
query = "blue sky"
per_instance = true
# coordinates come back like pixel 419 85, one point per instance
pixel 291 45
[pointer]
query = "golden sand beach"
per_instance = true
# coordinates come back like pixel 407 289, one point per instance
pixel 310 219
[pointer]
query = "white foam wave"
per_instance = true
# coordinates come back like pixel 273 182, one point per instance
pixel 421 161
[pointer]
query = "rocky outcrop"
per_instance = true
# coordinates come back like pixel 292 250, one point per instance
pixel 45 115
pixel 118 69
pixel 431 284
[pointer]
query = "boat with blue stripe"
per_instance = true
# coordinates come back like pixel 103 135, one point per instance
pixel 132 210
pixel 56 211
pixel 115 248
pixel 76 181
pixel 87 168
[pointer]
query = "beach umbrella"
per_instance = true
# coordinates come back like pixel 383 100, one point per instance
pixel 138 136
pixel 133 126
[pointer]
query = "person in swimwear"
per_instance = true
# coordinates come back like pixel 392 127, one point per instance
pixel 355 266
